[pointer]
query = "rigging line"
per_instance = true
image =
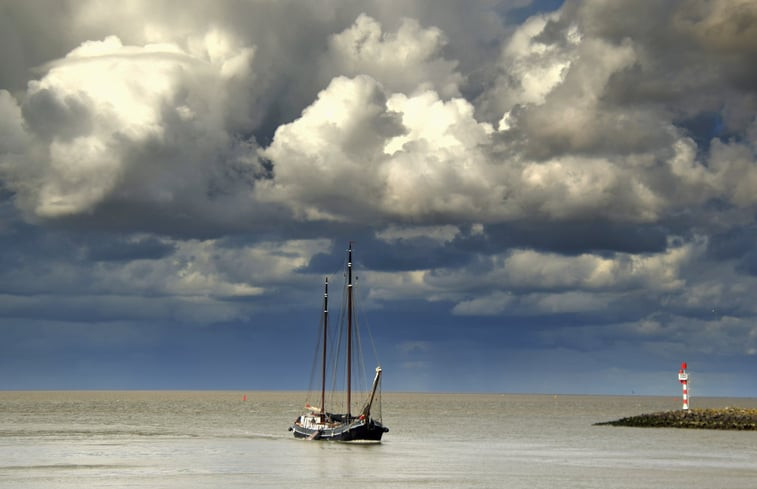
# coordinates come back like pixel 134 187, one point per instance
pixel 362 373
pixel 337 368
pixel 337 337
pixel 376 410
pixel 373 344
pixel 315 362
pixel 360 360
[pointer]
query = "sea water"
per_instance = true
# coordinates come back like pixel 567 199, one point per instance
pixel 219 440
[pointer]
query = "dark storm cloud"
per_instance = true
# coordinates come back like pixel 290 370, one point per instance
pixel 736 246
pixel 145 248
pixel 734 243
pixel 32 34
pixel 402 254
pixel 691 56
pixel 574 237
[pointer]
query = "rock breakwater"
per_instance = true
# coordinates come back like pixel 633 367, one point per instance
pixel 712 419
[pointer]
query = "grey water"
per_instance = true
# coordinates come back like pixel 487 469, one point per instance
pixel 193 440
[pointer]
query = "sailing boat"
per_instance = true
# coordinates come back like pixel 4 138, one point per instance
pixel 318 423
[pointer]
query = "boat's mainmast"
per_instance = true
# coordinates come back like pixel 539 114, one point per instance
pixel 325 337
pixel 349 328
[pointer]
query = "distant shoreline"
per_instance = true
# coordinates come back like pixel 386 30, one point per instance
pixel 713 419
pixel 102 390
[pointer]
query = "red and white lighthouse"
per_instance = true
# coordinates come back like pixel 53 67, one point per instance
pixel 683 378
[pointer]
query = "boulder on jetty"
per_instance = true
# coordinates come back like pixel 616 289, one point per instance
pixel 712 419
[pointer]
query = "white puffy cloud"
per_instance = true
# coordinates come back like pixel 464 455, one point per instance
pixel 491 304
pixel 105 102
pixel 552 92
pixel 326 163
pixel 358 152
pixel 440 234
pixel 565 150
pixel 406 61
pixel 530 282
pixel 539 270
pixel 567 187
pixel 535 303
pixel 531 68
pixel 527 280
pixel 437 166
pixel 199 281
pixel 166 124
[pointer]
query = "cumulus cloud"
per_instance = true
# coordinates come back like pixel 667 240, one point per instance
pixel 141 278
pixel 440 234
pixel 158 123
pixel 567 148
pixel 406 61
pixel 549 282
pixel 531 69
pixel 665 335
pixel 326 162
pixel 139 123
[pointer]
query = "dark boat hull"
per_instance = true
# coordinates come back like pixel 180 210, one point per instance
pixel 358 430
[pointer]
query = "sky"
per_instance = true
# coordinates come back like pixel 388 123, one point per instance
pixel 543 197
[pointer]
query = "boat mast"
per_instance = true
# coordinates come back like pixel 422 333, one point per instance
pixel 325 336
pixel 349 328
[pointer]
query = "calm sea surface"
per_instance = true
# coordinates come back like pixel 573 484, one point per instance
pixel 217 440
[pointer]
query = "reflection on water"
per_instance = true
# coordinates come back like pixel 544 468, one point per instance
pixel 214 439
